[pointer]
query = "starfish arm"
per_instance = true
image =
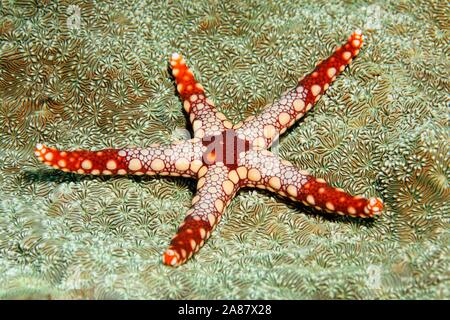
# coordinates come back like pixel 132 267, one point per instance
pixel 205 119
pixel 215 189
pixel 279 116
pixel 266 171
pixel 179 159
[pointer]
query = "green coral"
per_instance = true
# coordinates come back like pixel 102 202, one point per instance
pixel 382 129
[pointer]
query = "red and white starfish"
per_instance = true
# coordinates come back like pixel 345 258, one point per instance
pixel 225 157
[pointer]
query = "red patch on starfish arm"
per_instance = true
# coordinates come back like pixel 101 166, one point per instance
pixel 326 71
pixel 107 161
pixel 184 78
pixel 189 239
pixel 317 193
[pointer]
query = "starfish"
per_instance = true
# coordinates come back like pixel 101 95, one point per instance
pixel 226 157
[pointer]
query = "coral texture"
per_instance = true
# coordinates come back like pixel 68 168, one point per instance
pixel 89 75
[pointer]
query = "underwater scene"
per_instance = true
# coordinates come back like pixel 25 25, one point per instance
pixel 244 149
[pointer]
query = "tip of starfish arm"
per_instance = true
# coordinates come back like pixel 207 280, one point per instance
pixel 171 258
pixel 40 148
pixel 374 206
pixel 40 151
pixel 356 39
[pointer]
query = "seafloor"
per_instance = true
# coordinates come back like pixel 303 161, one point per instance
pixel 102 81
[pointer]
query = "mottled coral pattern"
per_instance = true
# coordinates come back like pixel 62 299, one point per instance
pixel 101 80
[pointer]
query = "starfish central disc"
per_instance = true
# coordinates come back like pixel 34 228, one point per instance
pixel 225 148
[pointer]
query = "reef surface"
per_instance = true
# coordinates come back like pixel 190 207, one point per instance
pixel 94 74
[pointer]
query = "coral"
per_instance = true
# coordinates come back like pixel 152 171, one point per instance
pixel 379 129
